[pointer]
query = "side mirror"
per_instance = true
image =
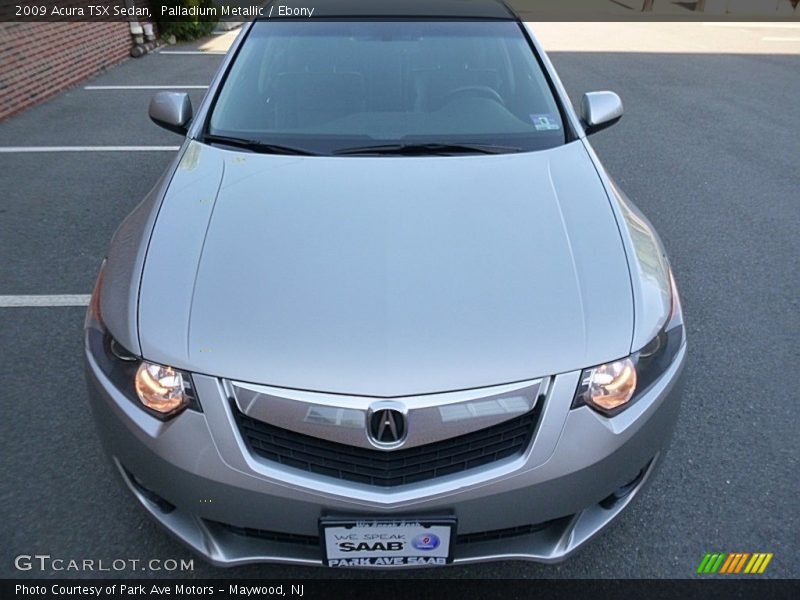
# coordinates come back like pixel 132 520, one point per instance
pixel 171 110
pixel 600 110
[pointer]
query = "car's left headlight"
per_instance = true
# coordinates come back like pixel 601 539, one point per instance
pixel 612 387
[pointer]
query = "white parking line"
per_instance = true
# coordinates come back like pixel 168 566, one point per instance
pixel 754 25
pixel 94 88
pixel 780 39
pixel 44 301
pixel 195 52
pixel 20 149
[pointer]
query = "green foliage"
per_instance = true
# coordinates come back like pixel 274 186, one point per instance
pixel 186 28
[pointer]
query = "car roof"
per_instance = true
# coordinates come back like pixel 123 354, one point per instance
pixel 387 9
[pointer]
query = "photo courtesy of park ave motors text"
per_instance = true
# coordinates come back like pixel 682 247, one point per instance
pixel 357 289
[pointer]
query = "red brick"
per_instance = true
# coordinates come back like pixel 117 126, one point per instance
pixel 41 59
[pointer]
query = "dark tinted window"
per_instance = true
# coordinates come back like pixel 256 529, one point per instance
pixel 330 85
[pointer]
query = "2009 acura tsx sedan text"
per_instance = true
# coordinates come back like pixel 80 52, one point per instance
pixel 385 307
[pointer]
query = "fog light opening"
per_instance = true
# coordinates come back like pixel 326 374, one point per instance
pixel 623 491
pixel 164 506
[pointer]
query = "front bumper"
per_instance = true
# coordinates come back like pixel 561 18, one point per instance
pixel 195 476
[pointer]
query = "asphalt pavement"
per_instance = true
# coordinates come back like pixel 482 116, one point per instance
pixel 708 149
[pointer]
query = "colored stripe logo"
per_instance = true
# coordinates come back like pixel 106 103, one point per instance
pixel 734 562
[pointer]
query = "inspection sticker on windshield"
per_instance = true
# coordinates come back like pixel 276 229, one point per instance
pixel 545 122
pixel 387 543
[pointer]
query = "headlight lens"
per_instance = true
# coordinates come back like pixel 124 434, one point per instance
pixel 162 391
pixel 161 388
pixel 609 386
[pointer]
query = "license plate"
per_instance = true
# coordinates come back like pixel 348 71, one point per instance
pixel 381 543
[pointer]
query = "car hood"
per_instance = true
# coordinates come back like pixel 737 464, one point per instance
pixel 385 276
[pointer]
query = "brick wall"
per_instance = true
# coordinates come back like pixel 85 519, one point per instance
pixel 38 60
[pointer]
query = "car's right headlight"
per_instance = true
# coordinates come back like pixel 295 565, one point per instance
pixel 612 387
pixel 160 390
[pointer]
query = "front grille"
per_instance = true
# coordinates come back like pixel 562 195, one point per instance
pixel 272 536
pixel 467 538
pixel 392 468
pixel 504 534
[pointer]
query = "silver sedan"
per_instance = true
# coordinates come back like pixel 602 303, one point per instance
pixel 385 308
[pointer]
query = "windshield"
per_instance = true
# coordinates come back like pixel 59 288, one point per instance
pixel 334 87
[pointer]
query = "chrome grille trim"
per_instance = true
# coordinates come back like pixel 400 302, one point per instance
pixel 430 418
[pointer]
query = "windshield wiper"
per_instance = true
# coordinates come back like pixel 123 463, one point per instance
pixel 431 148
pixel 255 145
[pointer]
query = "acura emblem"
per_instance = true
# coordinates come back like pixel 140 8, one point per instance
pixel 387 426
